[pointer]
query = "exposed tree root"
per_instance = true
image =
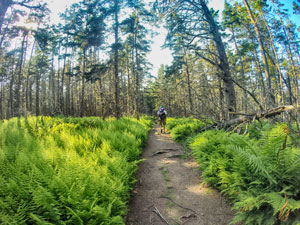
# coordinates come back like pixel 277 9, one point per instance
pixel 178 204
pixel 156 211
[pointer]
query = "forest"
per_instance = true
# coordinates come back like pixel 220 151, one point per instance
pixel 234 79
pixel 94 62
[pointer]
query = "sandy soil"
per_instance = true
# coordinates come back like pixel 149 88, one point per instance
pixel 169 190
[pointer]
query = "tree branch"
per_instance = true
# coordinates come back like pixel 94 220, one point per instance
pixel 206 59
pixel 265 114
pixel 28 6
pixel 251 94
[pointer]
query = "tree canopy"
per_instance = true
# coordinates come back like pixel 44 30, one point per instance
pixel 94 62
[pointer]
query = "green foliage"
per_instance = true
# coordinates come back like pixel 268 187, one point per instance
pixel 181 128
pixel 259 172
pixel 256 174
pixel 68 170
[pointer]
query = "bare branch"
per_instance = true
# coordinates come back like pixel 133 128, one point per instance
pixel 206 59
pixel 251 94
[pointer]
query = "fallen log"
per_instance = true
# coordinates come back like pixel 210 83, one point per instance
pixel 244 118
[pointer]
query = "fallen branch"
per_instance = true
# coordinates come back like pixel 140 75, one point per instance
pixel 187 218
pixel 159 215
pixel 266 114
pixel 179 204
pixel 252 116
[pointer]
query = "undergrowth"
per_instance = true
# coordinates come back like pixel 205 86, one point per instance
pixel 68 170
pixel 259 172
pixel 182 128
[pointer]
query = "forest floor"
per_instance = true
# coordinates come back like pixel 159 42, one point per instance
pixel 169 190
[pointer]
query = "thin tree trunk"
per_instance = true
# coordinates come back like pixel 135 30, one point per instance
pixel 51 86
pixel 37 93
pixel 116 58
pixel 188 80
pixel 61 102
pixel 269 91
pixel 261 77
pixel 68 94
pixel 82 105
pixel 57 88
pixel 11 84
pixel 53 95
pixel 276 59
pixel 30 96
pixel 221 100
pixel 101 96
pixel 290 55
pixel 72 100
pixel 243 75
pixel 128 83
pixel 289 86
pixel 28 104
pixel 18 86
pixel 137 83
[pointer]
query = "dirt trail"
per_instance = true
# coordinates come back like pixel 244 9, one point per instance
pixel 169 191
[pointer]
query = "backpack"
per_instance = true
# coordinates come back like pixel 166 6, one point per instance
pixel 162 115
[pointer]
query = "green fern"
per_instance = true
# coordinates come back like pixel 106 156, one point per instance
pixel 68 170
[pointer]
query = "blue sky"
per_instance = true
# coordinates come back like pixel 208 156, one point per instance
pixel 289 5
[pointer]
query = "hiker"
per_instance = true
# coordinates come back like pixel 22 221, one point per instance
pixel 162 117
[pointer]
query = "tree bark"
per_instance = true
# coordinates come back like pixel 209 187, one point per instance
pixel 188 80
pixel 11 85
pixel 82 104
pixel 128 96
pixel 68 94
pixel 224 65
pixel 116 58
pixel 61 99
pixel 249 117
pixel 221 100
pixel 37 93
pixel 52 85
pixel 18 86
pixel 137 82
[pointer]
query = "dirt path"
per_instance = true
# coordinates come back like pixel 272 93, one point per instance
pixel 169 191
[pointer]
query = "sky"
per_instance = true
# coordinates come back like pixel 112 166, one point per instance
pixel 157 56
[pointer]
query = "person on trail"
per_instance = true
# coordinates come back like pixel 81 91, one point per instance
pixel 162 117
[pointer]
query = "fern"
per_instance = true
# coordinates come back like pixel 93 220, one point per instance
pixel 259 172
pixel 68 170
